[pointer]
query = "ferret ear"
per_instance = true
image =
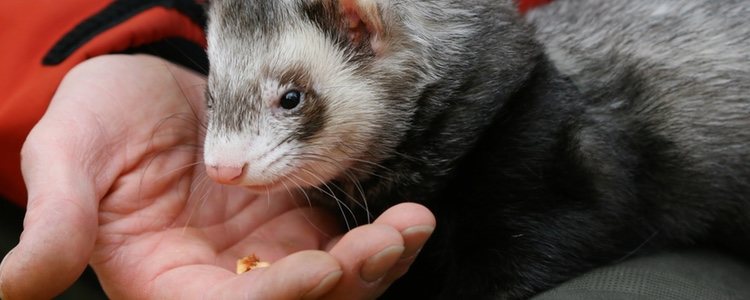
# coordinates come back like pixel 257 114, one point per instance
pixel 364 22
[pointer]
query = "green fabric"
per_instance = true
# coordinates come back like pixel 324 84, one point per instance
pixel 677 275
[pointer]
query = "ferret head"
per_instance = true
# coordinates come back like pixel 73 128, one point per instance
pixel 292 99
pixel 301 92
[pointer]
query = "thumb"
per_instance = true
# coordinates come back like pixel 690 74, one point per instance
pixel 60 226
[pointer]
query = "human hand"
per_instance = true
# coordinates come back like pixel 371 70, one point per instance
pixel 114 180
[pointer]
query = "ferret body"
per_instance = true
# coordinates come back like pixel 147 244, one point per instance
pixel 595 131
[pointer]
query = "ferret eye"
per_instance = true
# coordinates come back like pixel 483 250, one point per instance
pixel 291 99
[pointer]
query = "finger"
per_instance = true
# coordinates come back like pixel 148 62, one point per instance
pixel 59 227
pixel 416 224
pixel 303 275
pixel 59 165
pixel 366 255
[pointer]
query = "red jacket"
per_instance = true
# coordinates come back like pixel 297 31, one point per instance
pixel 43 39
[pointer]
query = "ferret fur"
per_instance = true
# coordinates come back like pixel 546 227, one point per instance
pixel 586 133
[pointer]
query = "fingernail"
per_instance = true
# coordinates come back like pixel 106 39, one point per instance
pixel 2 265
pixel 325 285
pixel 414 239
pixel 378 265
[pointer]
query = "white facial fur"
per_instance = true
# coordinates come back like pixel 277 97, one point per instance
pixel 247 128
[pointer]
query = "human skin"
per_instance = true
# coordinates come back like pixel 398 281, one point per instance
pixel 115 180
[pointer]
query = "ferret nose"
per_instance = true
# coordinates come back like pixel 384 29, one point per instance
pixel 224 174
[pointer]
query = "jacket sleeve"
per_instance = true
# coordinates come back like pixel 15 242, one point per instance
pixel 44 39
pixel 526 5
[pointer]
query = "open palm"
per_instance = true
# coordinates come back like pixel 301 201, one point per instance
pixel 115 180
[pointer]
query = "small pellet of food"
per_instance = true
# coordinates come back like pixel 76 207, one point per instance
pixel 250 262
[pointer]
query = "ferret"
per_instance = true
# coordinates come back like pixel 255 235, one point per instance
pixel 546 145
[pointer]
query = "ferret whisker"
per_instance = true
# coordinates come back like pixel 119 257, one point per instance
pixel 371 163
pixel 348 124
pixel 340 203
pixel 408 157
pixel 319 157
pixel 347 173
pixel 154 134
pixel 635 251
pixel 411 158
pixel 367 172
pixel 290 192
pixel 352 158
pixel 163 122
pixel 184 55
pixel 197 181
pixel 284 140
pixel 148 166
pixel 328 193
pixel 332 87
pixel 185 96
pixel 310 205
pixel 302 190
pixel 203 183
pixel 178 169
pixel 358 185
pixel 187 117
pixel 349 196
pixel 331 194
pixel 201 179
